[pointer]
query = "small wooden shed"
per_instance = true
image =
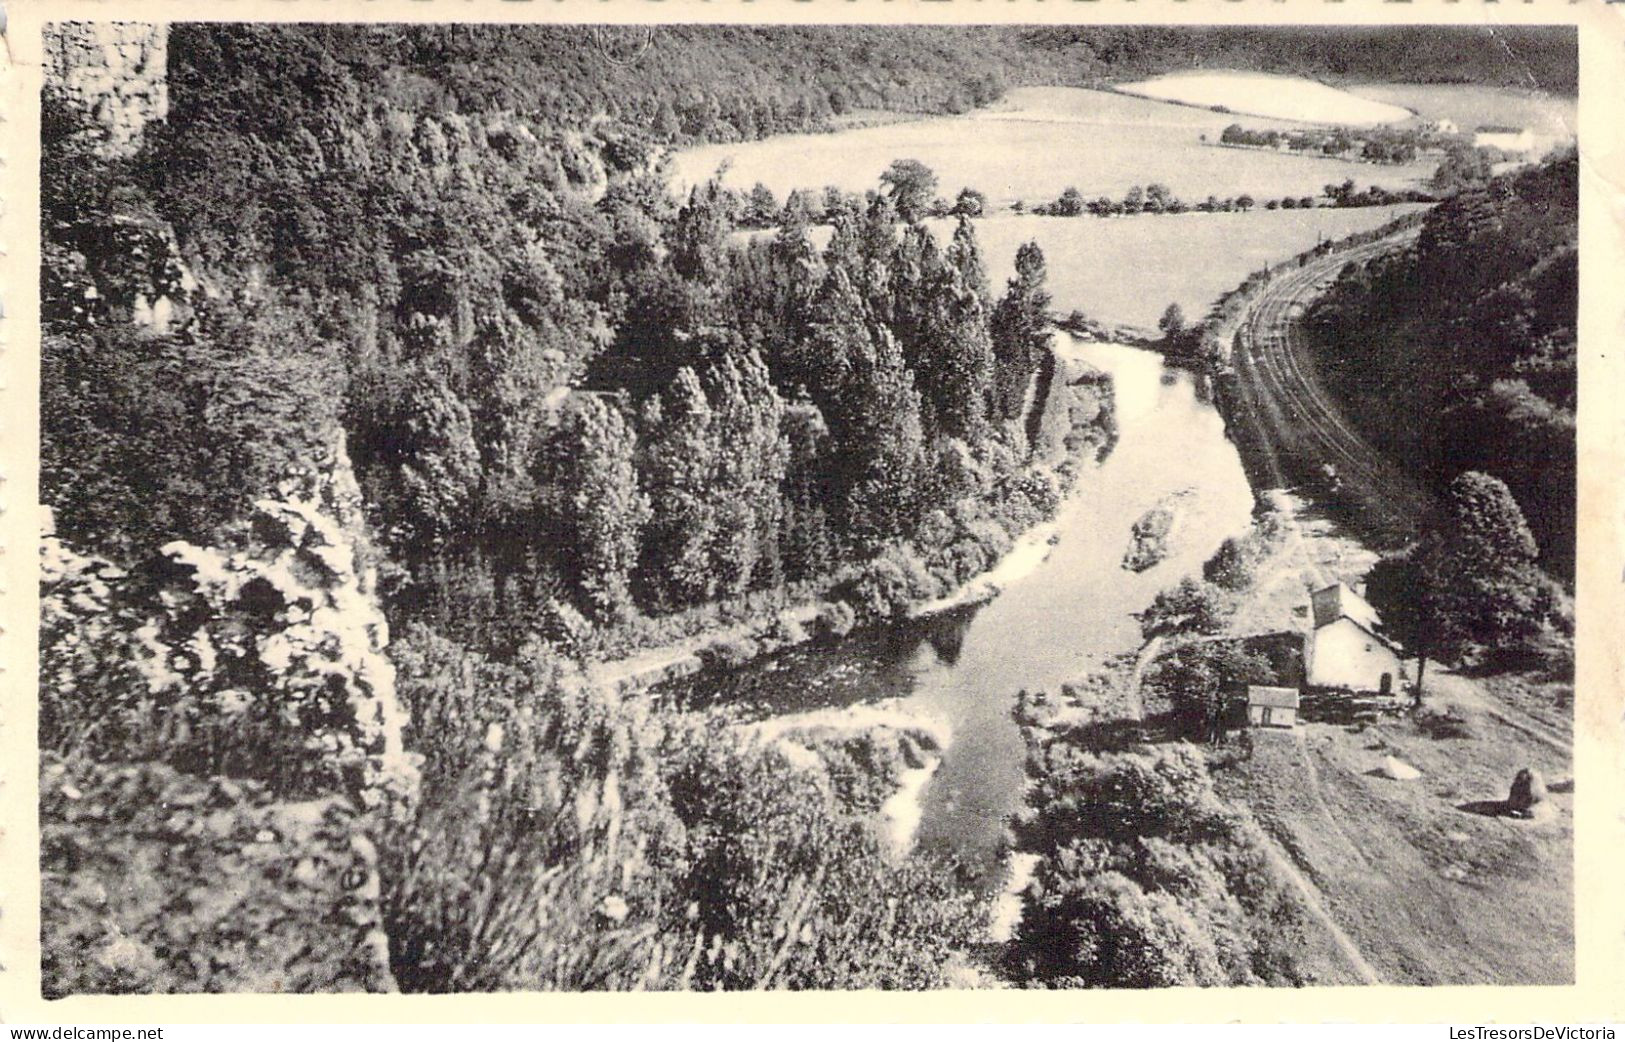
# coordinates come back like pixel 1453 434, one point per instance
pixel 1272 706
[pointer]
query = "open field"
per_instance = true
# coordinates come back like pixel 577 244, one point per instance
pixel 1470 106
pixel 1036 143
pixel 1189 259
pixel 1262 94
pixel 1431 889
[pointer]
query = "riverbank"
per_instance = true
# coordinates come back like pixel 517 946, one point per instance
pixel 1072 423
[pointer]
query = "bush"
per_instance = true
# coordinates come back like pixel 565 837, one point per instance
pixel 729 653
pixel 834 620
pixel 784 632
pixel 889 585
pixel 1146 879
pixel 567 840
pixel 1195 679
pixel 1447 722
pixel 156 881
pixel 1190 607
pixel 1234 566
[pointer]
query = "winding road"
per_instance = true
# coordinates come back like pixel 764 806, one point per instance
pixel 1300 434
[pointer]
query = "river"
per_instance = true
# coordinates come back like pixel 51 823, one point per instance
pixel 964 668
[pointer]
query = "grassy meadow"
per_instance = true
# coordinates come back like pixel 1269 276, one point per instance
pixel 1470 106
pixel 1034 144
pixel 1127 270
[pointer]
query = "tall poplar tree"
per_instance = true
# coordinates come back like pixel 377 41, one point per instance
pixel 1020 328
pixel 678 465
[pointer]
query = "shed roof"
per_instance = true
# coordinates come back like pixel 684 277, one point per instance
pixel 1272 697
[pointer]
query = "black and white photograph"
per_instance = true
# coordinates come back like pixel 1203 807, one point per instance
pixel 721 507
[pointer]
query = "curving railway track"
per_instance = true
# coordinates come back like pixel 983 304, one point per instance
pixel 1299 433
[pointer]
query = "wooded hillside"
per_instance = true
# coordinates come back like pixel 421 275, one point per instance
pixel 1459 354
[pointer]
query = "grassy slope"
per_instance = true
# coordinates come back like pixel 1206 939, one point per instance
pixel 1431 893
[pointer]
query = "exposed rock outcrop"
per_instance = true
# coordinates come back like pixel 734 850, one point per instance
pixel 115 71
pixel 271 640
pixel 223 748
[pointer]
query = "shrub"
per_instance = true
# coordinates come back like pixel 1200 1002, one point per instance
pixel 1146 880
pixel 1190 607
pixel 156 881
pixel 568 840
pixel 729 653
pixel 1195 679
pixel 1447 722
pixel 889 585
pixel 785 631
pixel 834 620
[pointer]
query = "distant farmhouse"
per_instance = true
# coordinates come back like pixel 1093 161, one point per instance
pixel 1507 139
pixel 1347 649
pixel 1342 660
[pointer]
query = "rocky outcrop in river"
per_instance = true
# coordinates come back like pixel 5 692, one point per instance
pixel 1151 534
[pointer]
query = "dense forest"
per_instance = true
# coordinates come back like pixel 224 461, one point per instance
pixel 1473 328
pixel 582 417
pixel 435 282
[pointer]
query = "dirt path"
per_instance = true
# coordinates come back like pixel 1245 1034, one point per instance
pixel 1317 908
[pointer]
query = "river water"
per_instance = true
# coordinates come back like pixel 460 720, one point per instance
pixel 964 668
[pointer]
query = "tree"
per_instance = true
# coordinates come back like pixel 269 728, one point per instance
pixel 1190 607
pixel 1480 570
pixel 677 468
pixel 1471 585
pixel 939 319
pixel 911 187
pixel 699 236
pixel 761 208
pixel 1395 587
pixel 1172 324
pixel 589 464
pixel 665 125
pixel 854 372
pixel 1020 328
pixel 1195 678
pixel 751 456
pixel 964 255
pixel 801 208
pixel 970 203
pixel 1244 202
pixel 440 470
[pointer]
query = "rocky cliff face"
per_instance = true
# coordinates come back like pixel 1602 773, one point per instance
pixel 259 657
pixel 116 75
pixel 116 71
pixel 221 713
